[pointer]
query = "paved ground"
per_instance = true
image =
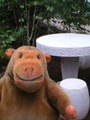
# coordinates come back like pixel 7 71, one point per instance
pixel 62 27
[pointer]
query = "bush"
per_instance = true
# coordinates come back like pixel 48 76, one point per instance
pixel 21 22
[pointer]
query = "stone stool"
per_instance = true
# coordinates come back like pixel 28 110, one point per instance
pixel 78 92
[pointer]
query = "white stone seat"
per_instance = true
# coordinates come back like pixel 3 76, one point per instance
pixel 78 91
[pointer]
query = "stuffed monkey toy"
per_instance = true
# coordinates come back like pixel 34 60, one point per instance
pixel 28 93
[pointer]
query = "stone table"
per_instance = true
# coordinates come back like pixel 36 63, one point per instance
pixel 68 46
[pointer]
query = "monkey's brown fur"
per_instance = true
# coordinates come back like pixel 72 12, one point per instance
pixel 28 93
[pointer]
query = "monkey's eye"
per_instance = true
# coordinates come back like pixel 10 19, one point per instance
pixel 20 56
pixel 38 57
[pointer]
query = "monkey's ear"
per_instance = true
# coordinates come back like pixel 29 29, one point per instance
pixel 48 57
pixel 9 52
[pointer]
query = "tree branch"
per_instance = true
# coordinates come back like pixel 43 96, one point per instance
pixel 33 27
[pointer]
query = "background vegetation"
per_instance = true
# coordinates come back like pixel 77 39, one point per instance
pixel 22 21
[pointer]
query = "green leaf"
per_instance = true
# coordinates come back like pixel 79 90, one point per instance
pixel 63 0
pixel 38 17
pixel 21 20
pixel 36 3
pixel 22 6
pixel 2 0
pixel 50 8
pixel 3 42
pixel 12 38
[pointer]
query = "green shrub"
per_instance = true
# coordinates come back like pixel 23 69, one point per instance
pixel 21 21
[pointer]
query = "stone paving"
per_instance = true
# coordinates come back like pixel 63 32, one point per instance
pixel 60 26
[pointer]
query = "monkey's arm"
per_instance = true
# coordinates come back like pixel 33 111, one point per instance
pixel 61 101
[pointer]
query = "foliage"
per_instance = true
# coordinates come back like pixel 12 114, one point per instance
pixel 21 22
pixel 74 13
pixel 8 37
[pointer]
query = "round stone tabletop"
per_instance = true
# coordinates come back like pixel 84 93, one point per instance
pixel 65 44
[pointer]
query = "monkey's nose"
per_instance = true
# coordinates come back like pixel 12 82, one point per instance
pixel 29 71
